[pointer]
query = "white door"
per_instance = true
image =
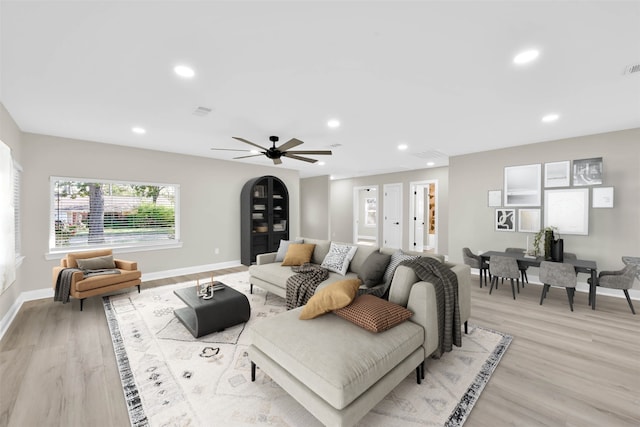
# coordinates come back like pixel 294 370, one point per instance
pixel 392 225
pixel 418 217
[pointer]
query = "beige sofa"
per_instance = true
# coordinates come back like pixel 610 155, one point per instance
pixel 335 369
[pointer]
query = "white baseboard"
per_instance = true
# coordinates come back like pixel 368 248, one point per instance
pixel 8 318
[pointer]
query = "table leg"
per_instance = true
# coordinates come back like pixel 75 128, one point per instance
pixel 592 289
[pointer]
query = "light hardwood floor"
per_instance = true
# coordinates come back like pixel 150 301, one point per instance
pixel 57 366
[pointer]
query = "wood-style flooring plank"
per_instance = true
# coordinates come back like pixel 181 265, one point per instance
pixel 563 368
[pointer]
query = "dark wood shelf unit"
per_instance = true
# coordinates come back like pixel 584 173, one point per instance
pixel 264 210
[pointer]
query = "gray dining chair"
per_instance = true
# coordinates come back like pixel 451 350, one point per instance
pixel 558 274
pixel 619 279
pixel 475 261
pixel 523 268
pixel 504 267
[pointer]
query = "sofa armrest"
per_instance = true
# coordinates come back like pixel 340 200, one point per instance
pixel 267 258
pixel 463 273
pixel 422 302
pixel 126 265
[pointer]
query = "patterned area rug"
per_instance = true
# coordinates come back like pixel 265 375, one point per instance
pixel 172 379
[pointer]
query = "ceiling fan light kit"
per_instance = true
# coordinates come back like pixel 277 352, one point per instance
pixel 275 153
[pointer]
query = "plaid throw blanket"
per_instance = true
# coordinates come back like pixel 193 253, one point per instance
pixel 302 286
pixel 445 283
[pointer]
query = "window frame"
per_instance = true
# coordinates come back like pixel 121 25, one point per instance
pixel 59 252
pixel 17 209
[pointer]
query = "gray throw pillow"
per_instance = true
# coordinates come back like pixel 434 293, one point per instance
pixel 96 263
pixel 282 249
pixel 396 258
pixel 373 269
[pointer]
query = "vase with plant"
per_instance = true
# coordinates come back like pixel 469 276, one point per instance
pixel 547 232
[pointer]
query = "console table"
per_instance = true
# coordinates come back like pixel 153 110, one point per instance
pixel 580 265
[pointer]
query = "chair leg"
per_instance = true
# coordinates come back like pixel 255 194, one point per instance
pixel 526 278
pixel 570 293
pixel 81 303
pixel 253 372
pixel 518 284
pixel 418 375
pixel 493 279
pixel 545 288
pixel 626 294
pixel 138 288
pixel 513 289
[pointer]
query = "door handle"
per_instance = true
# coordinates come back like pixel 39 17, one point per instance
pixel 396 223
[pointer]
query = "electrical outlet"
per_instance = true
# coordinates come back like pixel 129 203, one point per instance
pixel 216 251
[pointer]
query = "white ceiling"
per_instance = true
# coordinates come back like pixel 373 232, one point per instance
pixel 437 76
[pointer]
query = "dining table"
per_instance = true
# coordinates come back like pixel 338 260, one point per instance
pixel 580 265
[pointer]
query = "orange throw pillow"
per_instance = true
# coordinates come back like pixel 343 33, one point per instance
pixel 298 253
pixel 332 297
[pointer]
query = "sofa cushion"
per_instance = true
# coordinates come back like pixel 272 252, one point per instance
pixel 373 269
pixel 396 258
pixel 360 257
pixel 96 263
pixel 332 297
pixel 356 359
pixel 374 314
pixel 339 257
pixel 320 251
pixel 284 246
pixel 102 280
pixel 298 253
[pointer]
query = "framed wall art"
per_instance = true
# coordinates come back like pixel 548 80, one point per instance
pixel 495 198
pixel 557 174
pixel 568 210
pixel 587 172
pixel 602 197
pixel 529 220
pixel 505 220
pixel 522 185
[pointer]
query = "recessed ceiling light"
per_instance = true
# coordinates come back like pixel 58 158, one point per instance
pixel 321 163
pixel 550 118
pixel 430 163
pixel 526 56
pixel 333 123
pixel 403 147
pixel 138 130
pixel 184 71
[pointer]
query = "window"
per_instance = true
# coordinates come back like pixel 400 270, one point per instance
pixel 17 185
pixel 87 213
pixel 370 211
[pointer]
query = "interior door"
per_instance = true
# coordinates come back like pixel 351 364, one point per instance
pixel 392 224
pixel 418 218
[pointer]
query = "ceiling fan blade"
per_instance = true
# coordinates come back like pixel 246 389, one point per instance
pixel 227 149
pixel 293 156
pixel 277 161
pixel 293 142
pixel 323 152
pixel 245 157
pixel 249 142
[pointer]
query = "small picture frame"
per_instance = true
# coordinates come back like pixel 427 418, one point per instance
pixel 587 172
pixel 557 174
pixel 602 197
pixel 529 220
pixel 505 220
pixel 495 198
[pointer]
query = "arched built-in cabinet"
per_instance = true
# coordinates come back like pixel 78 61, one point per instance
pixel 264 210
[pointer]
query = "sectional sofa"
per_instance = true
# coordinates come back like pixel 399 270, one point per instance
pixel 337 370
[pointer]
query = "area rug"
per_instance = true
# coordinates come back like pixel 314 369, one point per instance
pixel 170 378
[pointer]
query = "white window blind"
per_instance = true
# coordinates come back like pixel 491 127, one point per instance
pixel 88 213
pixel 17 185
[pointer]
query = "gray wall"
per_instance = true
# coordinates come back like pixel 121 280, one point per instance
pixel 209 202
pixel 342 203
pixel 612 232
pixel 314 207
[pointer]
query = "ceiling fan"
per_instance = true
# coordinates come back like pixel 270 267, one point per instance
pixel 275 153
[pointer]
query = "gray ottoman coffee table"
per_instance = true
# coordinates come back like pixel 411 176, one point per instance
pixel 228 307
